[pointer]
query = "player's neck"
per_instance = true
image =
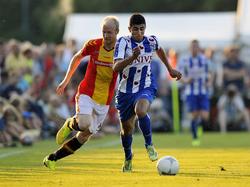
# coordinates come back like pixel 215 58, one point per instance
pixel 138 40
pixel 109 47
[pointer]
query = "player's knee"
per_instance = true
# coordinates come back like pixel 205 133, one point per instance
pixel 127 130
pixel 195 115
pixel 141 108
pixel 84 124
pixel 141 113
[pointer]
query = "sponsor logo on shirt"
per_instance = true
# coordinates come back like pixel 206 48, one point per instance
pixel 103 64
pixel 143 59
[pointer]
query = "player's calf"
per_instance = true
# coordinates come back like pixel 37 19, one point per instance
pixel 69 125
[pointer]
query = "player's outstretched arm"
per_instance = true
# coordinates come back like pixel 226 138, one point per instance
pixel 173 73
pixel 75 61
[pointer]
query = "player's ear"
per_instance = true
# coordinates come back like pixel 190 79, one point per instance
pixel 129 28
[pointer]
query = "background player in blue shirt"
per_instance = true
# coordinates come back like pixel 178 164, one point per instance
pixel 136 90
pixel 197 79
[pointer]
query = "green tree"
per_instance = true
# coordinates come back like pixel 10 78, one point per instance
pixel 32 20
pixel 86 6
pixel 44 20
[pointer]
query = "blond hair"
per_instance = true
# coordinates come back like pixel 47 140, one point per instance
pixel 112 19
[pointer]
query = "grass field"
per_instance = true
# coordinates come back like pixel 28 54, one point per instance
pixel 221 160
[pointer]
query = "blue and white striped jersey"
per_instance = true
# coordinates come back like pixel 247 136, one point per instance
pixel 198 69
pixel 136 76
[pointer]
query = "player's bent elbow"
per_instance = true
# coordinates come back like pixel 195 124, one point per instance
pixel 116 68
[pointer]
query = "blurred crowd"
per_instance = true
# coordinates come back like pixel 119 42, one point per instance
pixel 30 109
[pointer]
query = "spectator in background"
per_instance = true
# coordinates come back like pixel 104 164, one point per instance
pixel 37 66
pixel 216 88
pixel 232 110
pixel 156 71
pixel 66 55
pixel 13 129
pixel 12 121
pixel 58 110
pixel 25 79
pixel 216 72
pixel 2 57
pixel 5 137
pixel 49 67
pixel 234 70
pixel 14 60
pixel 18 63
pixel 9 84
pixel 160 77
pixel 160 119
pixel 29 117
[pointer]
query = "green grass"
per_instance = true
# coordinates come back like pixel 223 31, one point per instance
pixel 98 163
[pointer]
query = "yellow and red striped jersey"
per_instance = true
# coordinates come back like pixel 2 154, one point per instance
pixel 100 79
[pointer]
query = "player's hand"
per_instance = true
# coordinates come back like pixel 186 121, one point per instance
pixel 60 88
pixel 136 52
pixel 175 74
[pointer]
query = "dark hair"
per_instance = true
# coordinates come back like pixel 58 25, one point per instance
pixel 136 19
pixel 195 41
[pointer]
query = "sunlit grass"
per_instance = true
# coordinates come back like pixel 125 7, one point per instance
pixel 222 160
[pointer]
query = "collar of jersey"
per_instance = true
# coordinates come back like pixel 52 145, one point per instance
pixel 137 41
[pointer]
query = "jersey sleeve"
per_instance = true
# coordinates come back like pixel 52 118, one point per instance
pixel 155 42
pixel 120 49
pixel 87 48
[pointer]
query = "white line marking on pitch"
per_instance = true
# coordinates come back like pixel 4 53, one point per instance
pixel 4 155
pixel 106 144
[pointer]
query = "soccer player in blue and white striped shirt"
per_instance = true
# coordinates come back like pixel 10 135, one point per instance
pixel 136 90
pixel 196 77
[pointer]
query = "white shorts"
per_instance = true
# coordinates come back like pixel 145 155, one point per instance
pixel 86 105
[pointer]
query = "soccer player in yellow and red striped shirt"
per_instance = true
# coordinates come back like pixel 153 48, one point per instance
pixel 94 94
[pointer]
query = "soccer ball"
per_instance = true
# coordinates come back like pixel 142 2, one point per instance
pixel 167 165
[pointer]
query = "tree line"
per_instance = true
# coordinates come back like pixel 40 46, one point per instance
pixel 44 20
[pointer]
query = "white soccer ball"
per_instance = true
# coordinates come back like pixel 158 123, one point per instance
pixel 167 165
